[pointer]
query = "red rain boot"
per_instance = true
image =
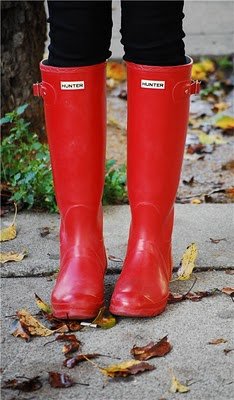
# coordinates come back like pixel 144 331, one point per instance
pixel 158 111
pixel 75 113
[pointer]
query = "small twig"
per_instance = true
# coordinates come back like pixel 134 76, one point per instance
pixel 195 280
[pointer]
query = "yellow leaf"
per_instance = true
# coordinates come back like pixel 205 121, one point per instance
pixel 210 139
pixel 176 386
pixel 126 368
pixel 187 263
pixel 225 122
pixel 116 71
pixel 195 201
pixel 33 326
pixel 208 65
pixel 110 371
pixel 198 72
pixel 9 232
pixel 104 319
pixel 11 256
pixel 42 305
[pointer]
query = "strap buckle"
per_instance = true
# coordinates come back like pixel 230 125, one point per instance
pixel 37 89
pixel 195 87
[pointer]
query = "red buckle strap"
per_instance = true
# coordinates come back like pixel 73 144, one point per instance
pixel 37 89
pixel 195 87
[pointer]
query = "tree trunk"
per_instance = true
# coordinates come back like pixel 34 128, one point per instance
pixel 23 41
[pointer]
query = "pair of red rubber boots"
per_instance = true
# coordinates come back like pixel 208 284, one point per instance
pixel 75 113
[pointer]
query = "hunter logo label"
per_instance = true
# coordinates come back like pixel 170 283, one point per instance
pixel 72 85
pixel 147 84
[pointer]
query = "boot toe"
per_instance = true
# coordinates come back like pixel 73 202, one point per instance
pixel 137 305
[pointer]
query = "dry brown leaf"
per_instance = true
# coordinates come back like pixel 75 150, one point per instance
pixel 217 341
pixel 73 346
pixel 72 362
pixel 9 232
pixel 12 256
pixel 176 386
pixel 228 290
pixel 187 263
pixel 27 385
pixel 126 368
pixel 60 380
pixel 18 330
pixel 33 326
pixel 152 349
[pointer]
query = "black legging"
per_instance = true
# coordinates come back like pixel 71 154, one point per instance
pixel 80 32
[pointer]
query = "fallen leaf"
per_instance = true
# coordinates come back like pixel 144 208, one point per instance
pixel 175 298
pixel 229 272
pixel 33 326
pixel 104 319
pixel 27 385
pixel 195 201
pixel 44 231
pixel 210 139
pixel 126 368
pixel 228 165
pixel 72 339
pixel 152 349
pixel 60 380
pixel 208 65
pixel 222 106
pixel 228 290
pixel 217 341
pixel 192 296
pixel 187 263
pixel 197 296
pixel 73 361
pixel 116 71
pixel 225 122
pixel 123 94
pixel 12 256
pixel 113 258
pixel 176 386
pixel 190 182
pixel 18 330
pixel 226 351
pixel 9 232
pixel 230 192
pixel 198 72
pixel 42 305
pixel 217 240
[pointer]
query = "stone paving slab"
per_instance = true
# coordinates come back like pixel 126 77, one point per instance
pixel 193 223
pixel 190 326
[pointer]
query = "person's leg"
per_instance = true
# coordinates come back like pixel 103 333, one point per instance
pixel 152 32
pixel 80 32
pixel 159 88
pixel 73 89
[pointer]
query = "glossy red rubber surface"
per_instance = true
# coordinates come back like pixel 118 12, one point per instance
pixel 76 128
pixel 158 110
